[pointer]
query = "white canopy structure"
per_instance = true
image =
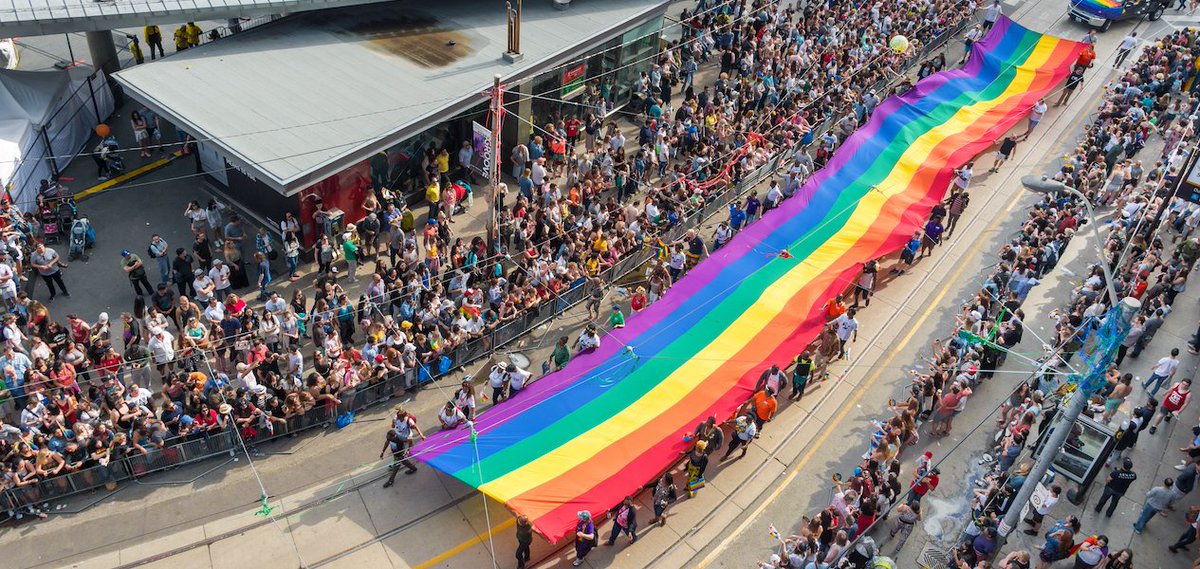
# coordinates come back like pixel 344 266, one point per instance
pixel 46 117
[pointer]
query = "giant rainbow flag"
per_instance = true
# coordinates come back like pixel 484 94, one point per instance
pixel 586 436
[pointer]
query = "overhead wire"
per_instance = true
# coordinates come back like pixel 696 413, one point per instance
pixel 265 496
pixel 575 61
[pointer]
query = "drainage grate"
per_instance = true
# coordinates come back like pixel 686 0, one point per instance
pixel 932 558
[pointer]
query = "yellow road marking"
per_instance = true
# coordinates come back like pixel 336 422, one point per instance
pixel 128 176
pixel 468 544
pixel 850 405
pixel 458 549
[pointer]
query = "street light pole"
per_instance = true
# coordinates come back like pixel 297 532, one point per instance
pixel 1046 185
pixel 1084 388
pixel 1110 335
pixel 497 113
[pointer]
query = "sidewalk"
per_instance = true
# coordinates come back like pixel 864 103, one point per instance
pixel 214 488
pixel 947 509
pixel 320 531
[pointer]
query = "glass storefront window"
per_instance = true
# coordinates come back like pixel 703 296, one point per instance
pixel 611 71
pixel 403 170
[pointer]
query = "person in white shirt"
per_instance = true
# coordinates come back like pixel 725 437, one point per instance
pixel 1040 512
pixel 1163 371
pixel 245 378
pixel 275 305
pixel 220 276
pixel 847 330
pixel 589 339
pixel 1035 116
pixel 162 349
pixel 295 362
pixel 204 286
pixel 474 326
pixel 774 196
pixel 991 15
pixel 617 141
pixel 8 281
pixel 497 378
pixel 676 263
pixel 538 172
pixel 721 235
pixel 450 416
pixel 516 379
pixel 962 176
pixel 137 396
pixel 1127 46
pixel 215 312
pixel 31 415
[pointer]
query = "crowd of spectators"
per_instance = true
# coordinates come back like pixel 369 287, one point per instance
pixel 194 358
pixel 1147 98
pixel 77 398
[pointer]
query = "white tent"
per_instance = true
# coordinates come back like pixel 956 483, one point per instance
pixel 44 116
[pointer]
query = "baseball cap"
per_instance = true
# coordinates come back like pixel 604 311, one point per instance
pixel 124 252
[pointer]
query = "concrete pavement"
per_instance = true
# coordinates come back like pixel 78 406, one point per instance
pixel 429 520
pixel 804 493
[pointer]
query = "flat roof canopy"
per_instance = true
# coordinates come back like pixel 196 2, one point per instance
pixel 293 102
pixel 45 17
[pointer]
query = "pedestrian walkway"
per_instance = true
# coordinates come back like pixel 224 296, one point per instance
pixel 1154 457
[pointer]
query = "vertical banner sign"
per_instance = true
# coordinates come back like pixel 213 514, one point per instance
pixel 481 142
pixel 572 80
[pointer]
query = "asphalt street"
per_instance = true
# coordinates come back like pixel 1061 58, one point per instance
pixel 334 511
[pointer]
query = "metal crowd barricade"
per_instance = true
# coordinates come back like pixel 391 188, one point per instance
pixel 365 396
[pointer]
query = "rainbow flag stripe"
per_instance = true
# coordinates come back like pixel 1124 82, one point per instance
pixel 1110 9
pixel 585 437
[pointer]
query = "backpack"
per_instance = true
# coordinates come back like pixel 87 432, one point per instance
pixel 370 223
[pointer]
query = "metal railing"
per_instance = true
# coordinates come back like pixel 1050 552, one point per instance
pixel 185 450
pixel 128 60
pixel 181 451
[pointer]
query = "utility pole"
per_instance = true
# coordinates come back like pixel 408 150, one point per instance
pixel 497 123
pixel 1109 336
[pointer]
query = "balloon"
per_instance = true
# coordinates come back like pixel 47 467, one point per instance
pixel 102 130
pixel 899 44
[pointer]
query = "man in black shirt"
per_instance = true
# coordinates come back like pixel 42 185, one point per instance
pixel 1073 81
pixel 202 250
pixel 181 272
pixel 164 300
pixel 1006 149
pixel 74 457
pixel 1117 484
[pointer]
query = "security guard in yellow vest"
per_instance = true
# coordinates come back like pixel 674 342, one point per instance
pixel 135 49
pixel 181 41
pixel 193 34
pixel 154 40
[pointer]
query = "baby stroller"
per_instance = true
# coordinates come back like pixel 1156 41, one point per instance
pixel 66 213
pixel 112 158
pixel 83 237
pixel 48 216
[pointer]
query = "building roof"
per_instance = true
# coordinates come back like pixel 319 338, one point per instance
pixel 45 17
pixel 293 102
